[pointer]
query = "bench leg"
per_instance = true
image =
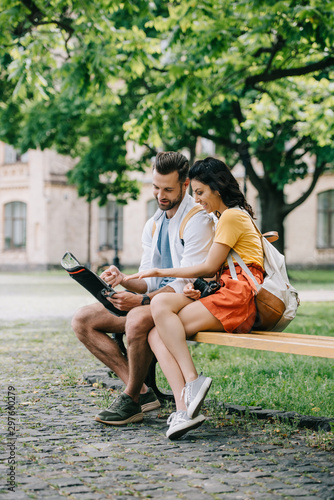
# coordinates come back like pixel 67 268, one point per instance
pixel 118 338
pixel 150 380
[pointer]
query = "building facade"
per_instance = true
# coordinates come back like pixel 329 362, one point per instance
pixel 42 217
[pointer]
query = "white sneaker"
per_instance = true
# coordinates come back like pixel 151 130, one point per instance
pixel 179 423
pixel 194 394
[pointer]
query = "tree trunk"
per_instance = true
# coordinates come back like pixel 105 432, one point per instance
pixel 272 204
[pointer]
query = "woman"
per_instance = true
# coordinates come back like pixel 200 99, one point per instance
pixel 232 308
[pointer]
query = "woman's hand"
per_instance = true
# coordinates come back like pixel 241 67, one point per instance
pixel 150 273
pixel 190 292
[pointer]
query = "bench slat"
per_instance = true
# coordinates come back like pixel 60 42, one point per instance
pixel 292 343
pixel 318 338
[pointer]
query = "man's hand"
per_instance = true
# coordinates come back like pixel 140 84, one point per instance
pixel 112 276
pixel 149 273
pixel 125 301
pixel 190 292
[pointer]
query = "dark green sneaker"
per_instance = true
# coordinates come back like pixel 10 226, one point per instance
pixel 149 401
pixel 123 410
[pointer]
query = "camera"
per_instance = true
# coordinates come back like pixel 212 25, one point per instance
pixel 206 287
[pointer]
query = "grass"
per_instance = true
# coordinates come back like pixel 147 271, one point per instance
pixel 314 319
pixel 271 380
pixel 312 279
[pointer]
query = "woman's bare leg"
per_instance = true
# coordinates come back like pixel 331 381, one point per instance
pixel 177 318
pixel 171 331
pixel 169 367
pixel 179 422
pixel 196 317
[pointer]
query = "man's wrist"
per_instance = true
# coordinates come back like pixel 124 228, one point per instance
pixel 122 275
pixel 145 300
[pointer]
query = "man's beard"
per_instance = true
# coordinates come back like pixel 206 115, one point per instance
pixel 171 203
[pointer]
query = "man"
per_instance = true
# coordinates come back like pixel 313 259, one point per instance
pixel 162 247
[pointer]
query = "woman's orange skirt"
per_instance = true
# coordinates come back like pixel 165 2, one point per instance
pixel 233 304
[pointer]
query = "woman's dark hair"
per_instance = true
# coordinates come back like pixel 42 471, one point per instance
pixel 216 174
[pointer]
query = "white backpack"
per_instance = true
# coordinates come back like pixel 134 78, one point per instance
pixel 275 286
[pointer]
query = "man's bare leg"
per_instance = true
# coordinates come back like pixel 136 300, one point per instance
pixel 90 324
pixel 139 322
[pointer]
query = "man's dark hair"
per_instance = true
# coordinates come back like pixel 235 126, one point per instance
pixel 169 161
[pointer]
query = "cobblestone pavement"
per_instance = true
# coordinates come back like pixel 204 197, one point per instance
pixel 60 451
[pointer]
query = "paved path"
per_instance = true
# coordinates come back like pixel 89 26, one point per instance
pixel 42 296
pixel 60 451
pixel 316 296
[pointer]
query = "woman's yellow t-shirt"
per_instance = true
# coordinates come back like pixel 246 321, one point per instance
pixel 236 230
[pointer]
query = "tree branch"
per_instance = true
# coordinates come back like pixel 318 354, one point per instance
pixel 64 25
pixel 278 45
pixel 284 73
pixel 36 14
pixel 317 173
pixel 289 152
pixel 262 50
pixel 160 70
pixel 35 18
pixel 153 150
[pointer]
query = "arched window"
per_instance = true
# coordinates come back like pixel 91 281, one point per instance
pixel 111 226
pixel 325 229
pixel 15 225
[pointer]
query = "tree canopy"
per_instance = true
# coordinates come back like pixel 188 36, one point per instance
pixel 256 78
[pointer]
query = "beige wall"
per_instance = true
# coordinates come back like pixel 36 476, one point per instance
pixel 301 225
pixel 56 217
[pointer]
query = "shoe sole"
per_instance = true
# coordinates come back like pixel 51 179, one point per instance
pixel 153 405
pixel 178 432
pixel 195 405
pixel 134 418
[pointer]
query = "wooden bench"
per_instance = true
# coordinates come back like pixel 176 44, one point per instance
pixel 290 343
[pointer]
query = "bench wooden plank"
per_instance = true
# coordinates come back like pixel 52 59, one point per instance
pixel 291 343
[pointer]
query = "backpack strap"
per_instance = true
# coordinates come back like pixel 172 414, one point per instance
pixel 154 228
pixel 243 266
pixel 271 236
pixel 194 210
